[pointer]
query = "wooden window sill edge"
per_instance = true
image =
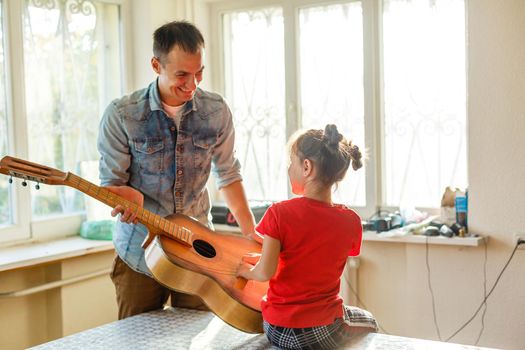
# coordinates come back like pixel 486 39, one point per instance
pixel 369 236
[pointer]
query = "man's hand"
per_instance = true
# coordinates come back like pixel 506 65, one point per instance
pixel 129 193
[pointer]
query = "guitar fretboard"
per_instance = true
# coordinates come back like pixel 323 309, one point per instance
pixel 145 216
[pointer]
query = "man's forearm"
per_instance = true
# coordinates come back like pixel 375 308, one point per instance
pixel 236 200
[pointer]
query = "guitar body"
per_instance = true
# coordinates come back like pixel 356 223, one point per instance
pixel 208 269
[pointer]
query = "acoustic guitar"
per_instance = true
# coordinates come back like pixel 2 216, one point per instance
pixel 182 254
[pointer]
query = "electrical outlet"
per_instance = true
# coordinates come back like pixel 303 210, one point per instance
pixel 518 237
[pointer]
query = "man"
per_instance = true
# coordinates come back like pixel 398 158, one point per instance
pixel 157 148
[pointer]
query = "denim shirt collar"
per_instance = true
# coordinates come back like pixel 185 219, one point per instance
pixel 156 104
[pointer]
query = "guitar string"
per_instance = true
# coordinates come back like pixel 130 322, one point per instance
pixel 228 272
pixel 158 221
pixel 146 215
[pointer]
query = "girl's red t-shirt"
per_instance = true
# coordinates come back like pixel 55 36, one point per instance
pixel 316 239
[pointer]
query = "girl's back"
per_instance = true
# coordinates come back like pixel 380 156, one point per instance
pixel 316 238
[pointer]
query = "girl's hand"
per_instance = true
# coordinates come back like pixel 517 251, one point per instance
pixel 251 258
pixel 245 271
pixel 256 237
pixel 265 263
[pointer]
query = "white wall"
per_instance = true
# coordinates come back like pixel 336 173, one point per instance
pixel 496 108
pixel 393 277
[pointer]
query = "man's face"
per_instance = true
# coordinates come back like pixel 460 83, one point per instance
pixel 179 75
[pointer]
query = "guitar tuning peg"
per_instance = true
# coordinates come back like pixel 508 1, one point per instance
pixel 37 186
pixel 24 183
pixel 11 180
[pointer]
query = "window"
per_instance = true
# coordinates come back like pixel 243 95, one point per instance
pixel 331 80
pixel 425 100
pixel 5 195
pixel 71 71
pixel 396 92
pixel 255 89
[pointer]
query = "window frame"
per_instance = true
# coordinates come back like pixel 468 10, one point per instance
pixel 373 81
pixel 24 227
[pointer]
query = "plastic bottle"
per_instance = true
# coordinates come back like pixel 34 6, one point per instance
pixel 462 208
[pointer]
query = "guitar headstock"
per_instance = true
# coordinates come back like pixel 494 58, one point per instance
pixel 23 169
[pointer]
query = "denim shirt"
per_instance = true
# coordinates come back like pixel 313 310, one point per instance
pixel 141 147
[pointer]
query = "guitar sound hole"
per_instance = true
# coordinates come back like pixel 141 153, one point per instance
pixel 204 248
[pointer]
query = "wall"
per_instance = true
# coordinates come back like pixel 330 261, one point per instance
pixel 31 320
pixel 393 277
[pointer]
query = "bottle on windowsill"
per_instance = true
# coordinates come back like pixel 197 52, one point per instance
pixel 461 204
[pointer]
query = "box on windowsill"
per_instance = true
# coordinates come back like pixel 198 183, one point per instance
pixel 222 215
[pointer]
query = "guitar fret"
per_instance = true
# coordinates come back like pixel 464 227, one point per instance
pixel 179 231
pixel 145 216
pixel 170 227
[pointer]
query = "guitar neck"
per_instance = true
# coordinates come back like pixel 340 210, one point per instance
pixel 144 216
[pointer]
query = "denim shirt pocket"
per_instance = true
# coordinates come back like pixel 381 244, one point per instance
pixel 149 153
pixel 203 150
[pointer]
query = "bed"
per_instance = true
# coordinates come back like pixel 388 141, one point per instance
pixel 178 328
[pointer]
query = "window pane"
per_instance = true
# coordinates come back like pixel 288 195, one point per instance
pixel 254 77
pixel 71 54
pixel 331 80
pixel 5 197
pixel 425 100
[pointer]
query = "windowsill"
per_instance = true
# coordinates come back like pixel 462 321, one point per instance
pixel 370 236
pixel 44 252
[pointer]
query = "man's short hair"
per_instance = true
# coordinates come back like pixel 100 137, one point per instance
pixel 180 33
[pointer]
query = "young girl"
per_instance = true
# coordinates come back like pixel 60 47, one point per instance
pixel 306 244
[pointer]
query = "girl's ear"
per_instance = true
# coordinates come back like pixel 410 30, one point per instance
pixel 307 167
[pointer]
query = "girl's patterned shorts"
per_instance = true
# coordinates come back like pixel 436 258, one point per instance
pixel 355 321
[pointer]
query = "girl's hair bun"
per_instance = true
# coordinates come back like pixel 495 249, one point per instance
pixel 331 136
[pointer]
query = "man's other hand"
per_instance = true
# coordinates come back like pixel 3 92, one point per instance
pixel 129 193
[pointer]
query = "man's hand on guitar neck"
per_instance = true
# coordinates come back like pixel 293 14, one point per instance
pixel 129 193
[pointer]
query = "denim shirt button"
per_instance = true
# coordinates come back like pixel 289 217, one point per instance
pixel 179 172
pixel 178 194
pixel 172 128
pixel 180 148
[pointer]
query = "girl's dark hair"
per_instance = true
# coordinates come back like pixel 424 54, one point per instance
pixel 329 151
pixel 180 33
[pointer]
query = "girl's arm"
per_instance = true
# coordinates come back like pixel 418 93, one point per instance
pixel 267 264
